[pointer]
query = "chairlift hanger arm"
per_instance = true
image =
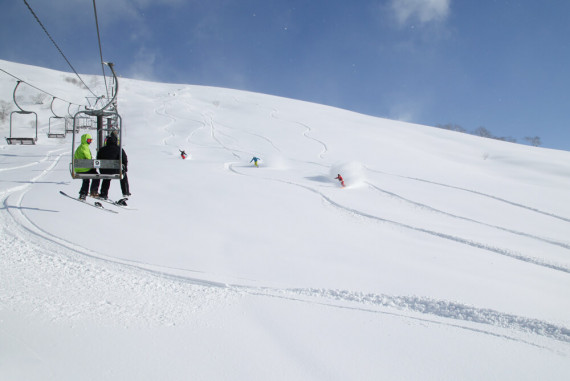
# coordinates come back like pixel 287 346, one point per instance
pixel 53 112
pixel 16 102
pixel 111 66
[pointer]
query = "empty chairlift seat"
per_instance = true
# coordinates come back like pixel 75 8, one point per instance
pixel 18 139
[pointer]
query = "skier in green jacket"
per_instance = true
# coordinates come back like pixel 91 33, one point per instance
pixel 84 152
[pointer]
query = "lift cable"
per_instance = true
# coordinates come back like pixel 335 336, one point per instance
pixel 100 48
pixel 37 88
pixel 57 47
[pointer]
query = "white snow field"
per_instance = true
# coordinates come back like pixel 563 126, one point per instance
pixel 446 257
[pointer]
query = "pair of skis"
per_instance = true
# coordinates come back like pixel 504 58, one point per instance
pixel 98 203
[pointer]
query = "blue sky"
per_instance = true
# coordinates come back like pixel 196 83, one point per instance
pixel 500 64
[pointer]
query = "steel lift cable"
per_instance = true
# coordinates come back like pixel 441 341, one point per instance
pixel 57 47
pixel 37 88
pixel 100 48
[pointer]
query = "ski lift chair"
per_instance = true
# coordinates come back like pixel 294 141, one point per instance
pixel 102 132
pixel 51 132
pixel 21 140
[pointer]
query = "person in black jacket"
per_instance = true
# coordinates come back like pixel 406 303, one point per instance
pixel 111 151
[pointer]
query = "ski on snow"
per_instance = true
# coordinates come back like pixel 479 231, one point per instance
pixel 96 204
pixel 114 203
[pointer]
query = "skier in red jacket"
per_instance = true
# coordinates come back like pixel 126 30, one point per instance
pixel 339 178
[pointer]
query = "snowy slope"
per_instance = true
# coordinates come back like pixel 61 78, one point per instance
pixel 445 257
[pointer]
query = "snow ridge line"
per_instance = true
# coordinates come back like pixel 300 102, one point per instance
pixel 546 240
pixel 442 308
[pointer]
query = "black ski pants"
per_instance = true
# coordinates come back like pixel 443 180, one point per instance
pixel 94 184
pixel 106 184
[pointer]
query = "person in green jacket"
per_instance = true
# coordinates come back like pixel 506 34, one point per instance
pixel 84 152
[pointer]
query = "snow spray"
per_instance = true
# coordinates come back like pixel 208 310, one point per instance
pixel 351 172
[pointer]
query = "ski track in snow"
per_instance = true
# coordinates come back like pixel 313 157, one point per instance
pixel 355 212
pixel 441 308
pixel 43 272
pixel 479 194
pixel 427 207
pixel 308 129
pixel 427 306
pixel 47 279
pixel 479 245
pixel 162 112
pixel 27 182
pixel 50 263
pixel 209 120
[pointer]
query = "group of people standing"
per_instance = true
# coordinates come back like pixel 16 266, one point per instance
pixel 110 151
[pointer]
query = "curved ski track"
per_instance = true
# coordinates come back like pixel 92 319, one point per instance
pixel 479 194
pixel 352 211
pixel 308 129
pixel 427 207
pixel 42 272
pixel 479 245
pixel 426 306
pixel 439 308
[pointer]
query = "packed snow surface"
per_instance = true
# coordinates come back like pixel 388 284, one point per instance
pixel 445 257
